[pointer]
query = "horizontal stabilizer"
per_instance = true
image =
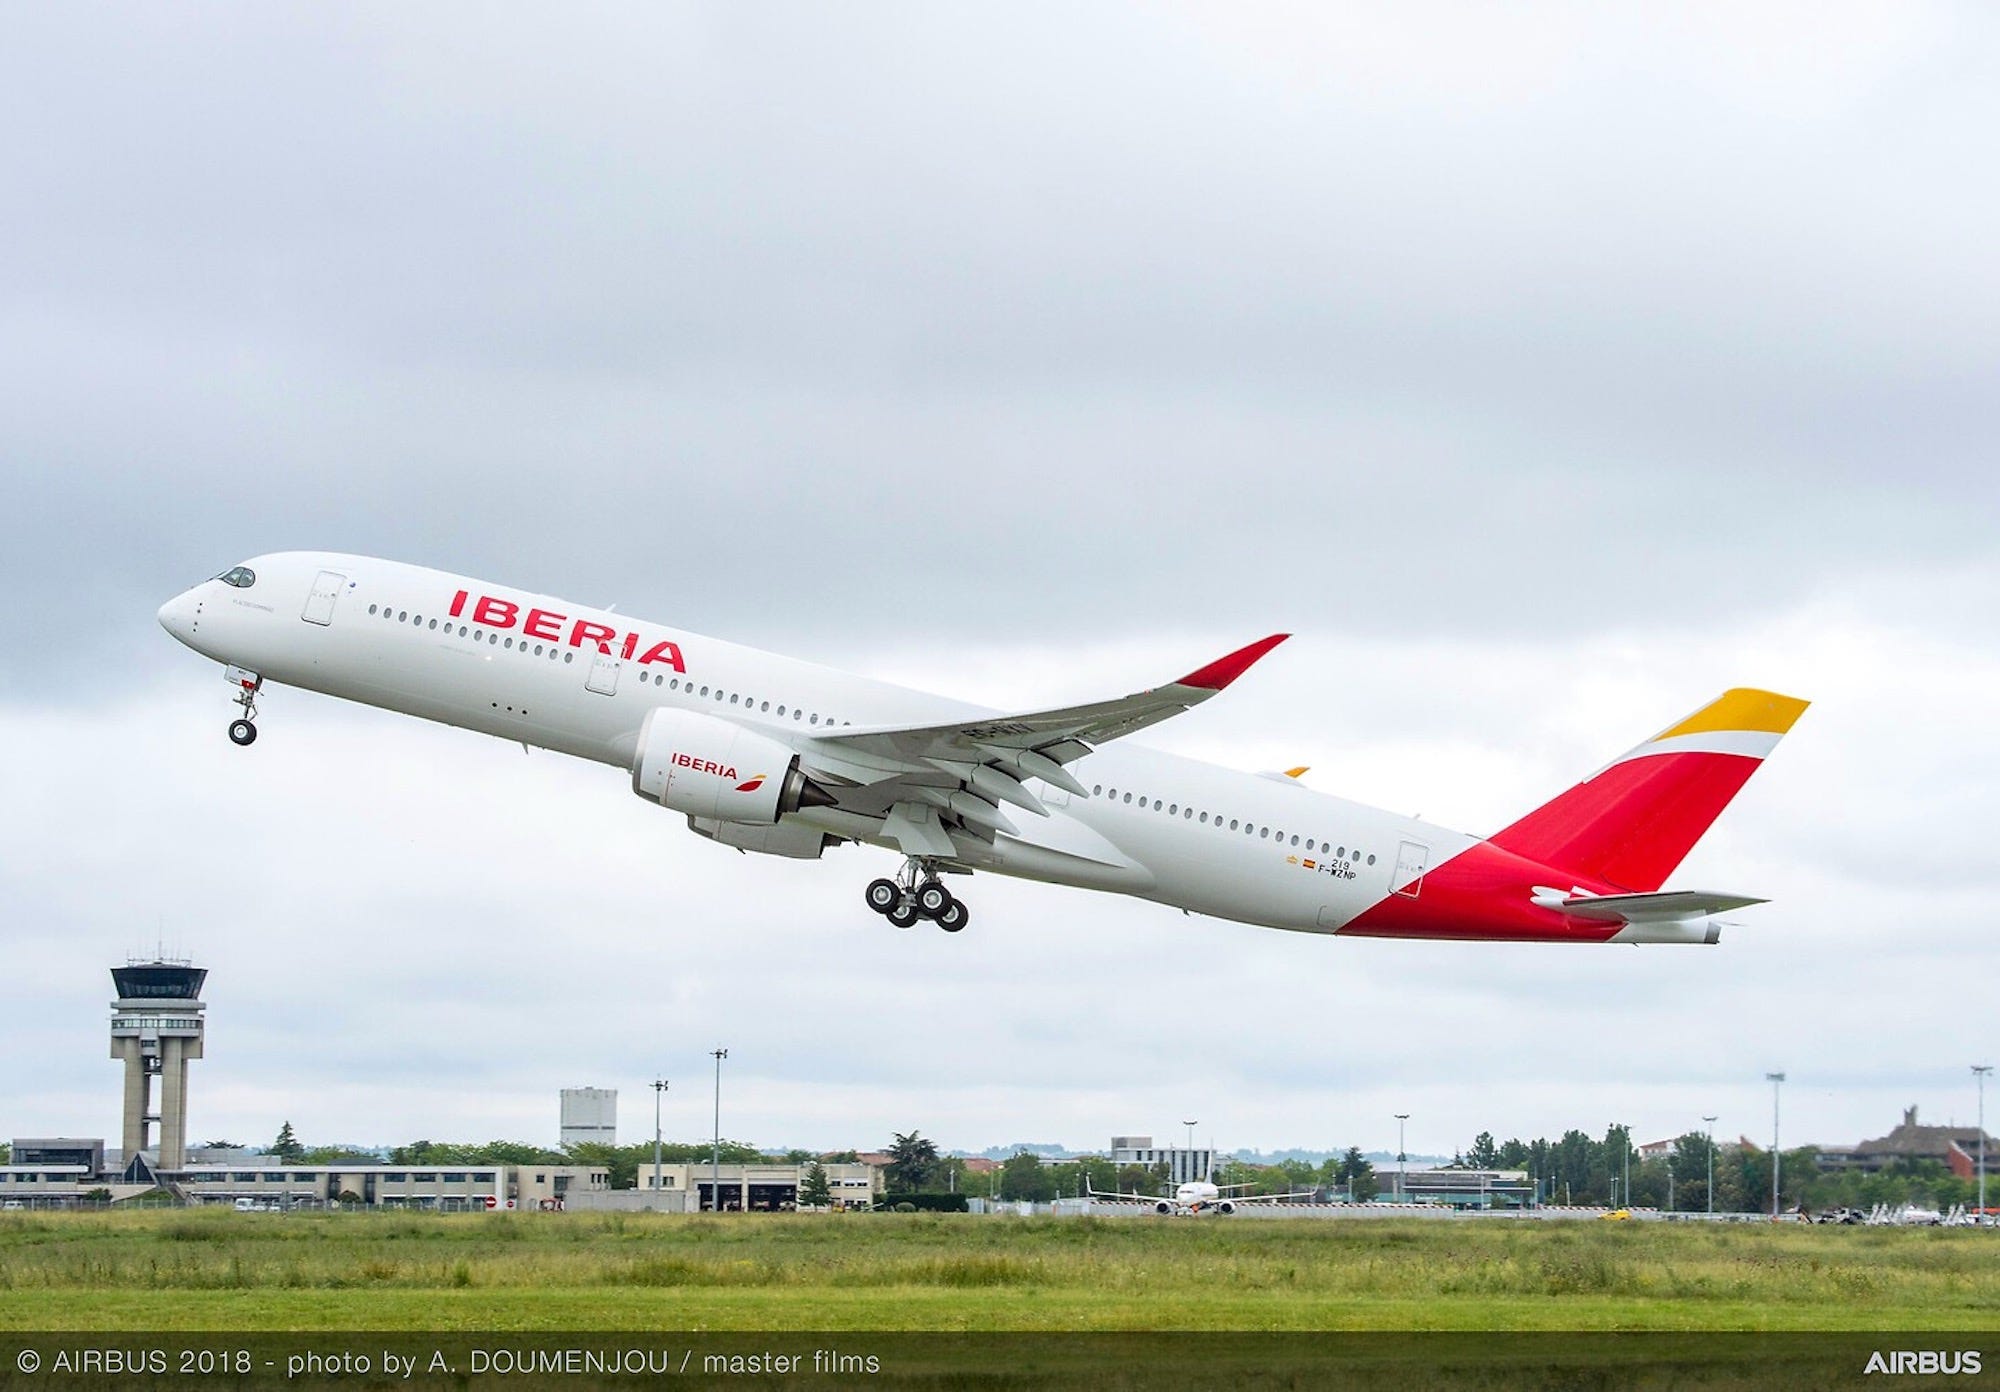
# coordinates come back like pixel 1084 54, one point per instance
pixel 1632 908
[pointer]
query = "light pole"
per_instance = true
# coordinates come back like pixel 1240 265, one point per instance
pixel 1190 1160
pixel 1777 1081
pixel 715 1155
pixel 1625 1160
pixel 1402 1159
pixel 659 1086
pixel 1979 1071
pixel 1710 1122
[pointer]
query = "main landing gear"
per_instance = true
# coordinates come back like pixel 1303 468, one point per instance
pixel 916 893
pixel 247 684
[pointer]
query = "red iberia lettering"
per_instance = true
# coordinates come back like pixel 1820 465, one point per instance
pixel 668 653
pixel 588 632
pixel 688 761
pixel 496 613
pixel 547 625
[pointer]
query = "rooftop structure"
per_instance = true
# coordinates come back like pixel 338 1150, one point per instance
pixel 1953 1146
pixel 589 1116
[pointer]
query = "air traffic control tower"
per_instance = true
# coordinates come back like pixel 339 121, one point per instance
pixel 156 1027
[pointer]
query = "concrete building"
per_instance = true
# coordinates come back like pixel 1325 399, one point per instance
pixel 1182 1164
pixel 43 1182
pixel 57 1150
pixel 437 1188
pixel 758 1188
pixel 1458 1188
pixel 156 1028
pixel 589 1116
pixel 43 1186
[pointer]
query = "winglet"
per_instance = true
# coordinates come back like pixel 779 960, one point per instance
pixel 1225 670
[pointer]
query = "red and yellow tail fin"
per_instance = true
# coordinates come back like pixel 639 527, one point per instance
pixel 1632 822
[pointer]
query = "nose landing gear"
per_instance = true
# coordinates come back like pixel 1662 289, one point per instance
pixel 247 684
pixel 915 893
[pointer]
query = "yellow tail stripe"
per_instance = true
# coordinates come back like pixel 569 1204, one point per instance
pixel 1742 709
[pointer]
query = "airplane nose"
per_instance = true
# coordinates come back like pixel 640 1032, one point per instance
pixel 177 615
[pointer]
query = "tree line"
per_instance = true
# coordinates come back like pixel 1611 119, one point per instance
pixel 1574 1168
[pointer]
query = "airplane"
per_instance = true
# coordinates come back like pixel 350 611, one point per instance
pixel 786 758
pixel 1195 1197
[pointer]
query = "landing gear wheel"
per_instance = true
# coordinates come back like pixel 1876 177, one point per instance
pixel 242 731
pixel 882 895
pixel 904 915
pixel 933 899
pixel 954 917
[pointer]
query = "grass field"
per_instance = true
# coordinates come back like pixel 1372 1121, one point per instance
pixel 189 1270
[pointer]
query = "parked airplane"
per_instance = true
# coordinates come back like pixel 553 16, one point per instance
pixel 783 757
pixel 1198 1196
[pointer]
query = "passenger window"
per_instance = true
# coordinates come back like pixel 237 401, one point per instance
pixel 371 608
pixel 1173 809
pixel 1097 790
pixel 1371 860
pixel 1128 797
pixel 1295 840
pixel 732 698
pixel 1264 831
pixel 1188 813
pixel 815 718
pixel 403 617
pixel 765 707
pixel 1204 819
pixel 1232 824
pixel 434 623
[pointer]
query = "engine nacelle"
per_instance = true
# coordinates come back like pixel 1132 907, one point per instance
pixel 1225 1208
pixel 1163 1208
pixel 719 770
pixel 785 839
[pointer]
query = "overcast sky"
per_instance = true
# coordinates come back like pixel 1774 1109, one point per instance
pixel 1546 371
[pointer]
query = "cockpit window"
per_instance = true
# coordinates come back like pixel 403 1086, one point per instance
pixel 242 577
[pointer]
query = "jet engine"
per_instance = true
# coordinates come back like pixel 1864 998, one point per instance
pixel 1225 1208
pixel 716 769
pixel 1163 1208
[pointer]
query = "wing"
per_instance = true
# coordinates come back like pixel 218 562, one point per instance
pixel 1272 1198
pixel 929 782
pixel 1130 1198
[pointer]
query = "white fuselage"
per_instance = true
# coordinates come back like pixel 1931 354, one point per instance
pixel 566 677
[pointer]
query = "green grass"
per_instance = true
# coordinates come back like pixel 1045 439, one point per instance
pixel 227 1270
